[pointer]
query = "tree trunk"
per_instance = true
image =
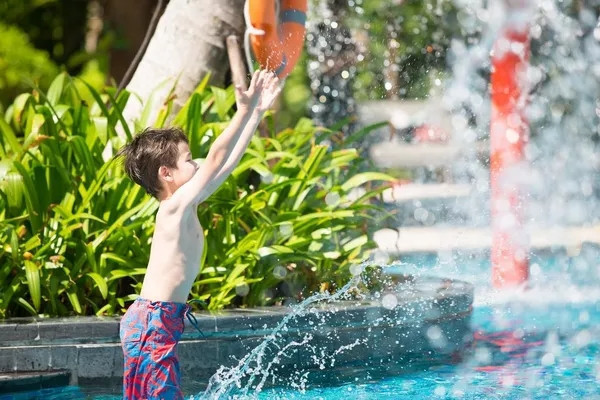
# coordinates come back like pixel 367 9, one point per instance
pixel 188 43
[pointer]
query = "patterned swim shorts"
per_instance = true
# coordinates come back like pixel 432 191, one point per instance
pixel 150 331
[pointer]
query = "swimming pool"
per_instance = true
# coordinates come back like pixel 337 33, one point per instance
pixel 518 353
pixel 541 343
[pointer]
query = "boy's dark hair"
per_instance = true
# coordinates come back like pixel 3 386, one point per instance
pixel 147 152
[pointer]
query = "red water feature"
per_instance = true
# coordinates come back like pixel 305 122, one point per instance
pixel 509 133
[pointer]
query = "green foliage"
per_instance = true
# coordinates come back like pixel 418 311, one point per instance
pixel 75 231
pixel 285 223
pixel 405 44
pixel 21 65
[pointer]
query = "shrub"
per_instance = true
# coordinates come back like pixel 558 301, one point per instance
pixel 76 230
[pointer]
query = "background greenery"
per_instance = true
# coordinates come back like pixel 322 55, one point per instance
pixel 403 45
pixel 76 231
pixel 287 220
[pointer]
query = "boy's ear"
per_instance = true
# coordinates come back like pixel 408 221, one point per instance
pixel 164 174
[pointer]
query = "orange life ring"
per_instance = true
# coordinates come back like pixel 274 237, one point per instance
pixel 279 48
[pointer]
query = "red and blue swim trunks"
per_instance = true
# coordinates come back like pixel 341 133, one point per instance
pixel 150 331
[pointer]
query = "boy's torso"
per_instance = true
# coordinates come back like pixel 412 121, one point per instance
pixel 175 254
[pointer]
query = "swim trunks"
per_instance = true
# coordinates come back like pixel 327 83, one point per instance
pixel 150 331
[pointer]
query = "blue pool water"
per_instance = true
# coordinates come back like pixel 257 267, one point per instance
pixel 519 353
pixel 542 343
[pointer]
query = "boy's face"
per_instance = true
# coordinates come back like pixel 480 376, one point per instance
pixel 186 167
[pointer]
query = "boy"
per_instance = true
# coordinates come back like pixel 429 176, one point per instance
pixel 160 161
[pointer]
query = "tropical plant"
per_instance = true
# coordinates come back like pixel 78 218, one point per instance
pixel 65 211
pixel 75 231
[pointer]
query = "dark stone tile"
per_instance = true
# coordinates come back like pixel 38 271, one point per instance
pixel 64 357
pixel 107 329
pixel 119 363
pixel 14 334
pixel 32 358
pixel 7 359
pixel 230 352
pixel 56 330
pixel 7 333
pixel 241 324
pixel 195 354
pixel 97 361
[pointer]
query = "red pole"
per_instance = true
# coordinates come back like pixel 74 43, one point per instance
pixel 508 136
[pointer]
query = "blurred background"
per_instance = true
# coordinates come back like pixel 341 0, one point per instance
pixel 405 41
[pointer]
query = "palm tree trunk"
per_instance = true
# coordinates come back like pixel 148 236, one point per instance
pixel 188 43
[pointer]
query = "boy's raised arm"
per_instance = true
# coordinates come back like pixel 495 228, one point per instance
pixel 228 148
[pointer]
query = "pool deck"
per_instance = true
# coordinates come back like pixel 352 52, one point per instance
pixel 434 239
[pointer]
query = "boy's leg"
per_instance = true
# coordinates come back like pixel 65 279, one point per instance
pixel 150 332
pixel 165 327
pixel 161 371
pixel 131 331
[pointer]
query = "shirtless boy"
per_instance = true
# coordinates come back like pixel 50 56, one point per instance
pixel 160 161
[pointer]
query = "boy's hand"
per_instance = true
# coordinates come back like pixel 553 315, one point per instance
pixel 262 92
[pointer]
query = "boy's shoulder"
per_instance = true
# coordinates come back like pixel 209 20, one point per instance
pixel 174 209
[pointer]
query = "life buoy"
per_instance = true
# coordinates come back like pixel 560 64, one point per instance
pixel 279 45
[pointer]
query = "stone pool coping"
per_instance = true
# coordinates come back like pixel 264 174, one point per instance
pixel 407 240
pixel 89 348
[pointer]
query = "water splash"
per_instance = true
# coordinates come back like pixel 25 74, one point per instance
pixel 380 321
pixel 247 379
pixel 559 183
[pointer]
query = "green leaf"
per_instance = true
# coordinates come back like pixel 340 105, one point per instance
pixel 56 89
pixel 274 249
pixel 309 169
pixel 209 281
pixel 122 273
pixel 181 116
pixel 354 243
pixel 4 168
pixel 151 100
pixel 365 131
pixel 117 224
pixel 239 268
pixel 27 306
pixel 91 256
pixel 326 215
pixel 107 309
pixel 101 127
pixel 32 243
pixel 33 131
pixel 12 185
pixel 32 275
pixel 21 104
pixel 11 139
pixel 224 100
pixel 74 299
pixel 31 198
pixel 332 254
pixel 118 105
pixel 365 177
pixel 100 283
pixel 100 103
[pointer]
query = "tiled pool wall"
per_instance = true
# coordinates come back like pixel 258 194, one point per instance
pixel 88 351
